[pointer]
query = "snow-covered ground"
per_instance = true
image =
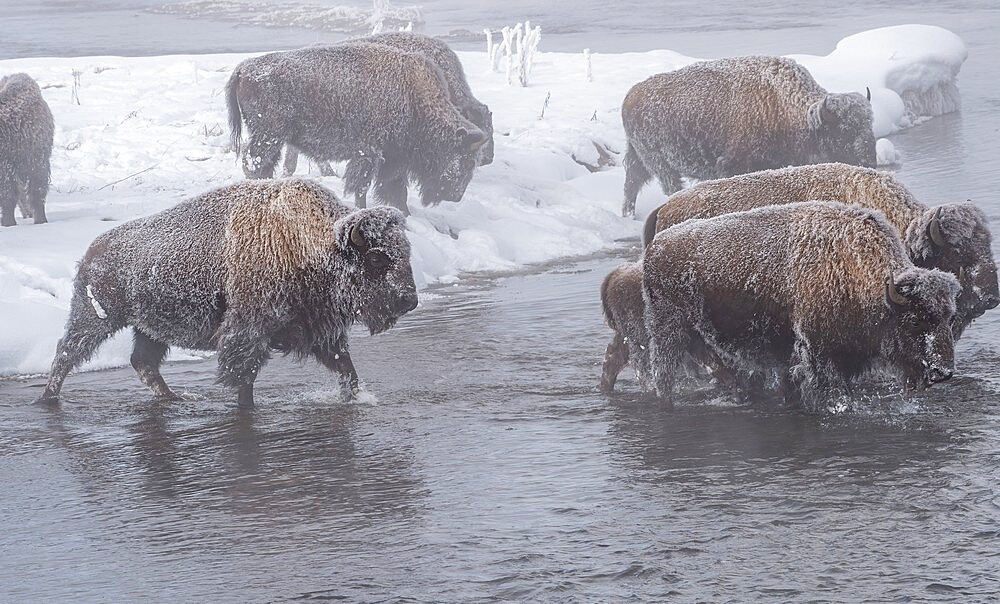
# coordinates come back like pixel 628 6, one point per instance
pixel 137 135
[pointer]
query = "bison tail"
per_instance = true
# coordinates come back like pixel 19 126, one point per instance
pixel 233 104
pixel 649 228
pixel 606 302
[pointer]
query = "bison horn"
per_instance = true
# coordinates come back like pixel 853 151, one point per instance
pixel 892 294
pixel 868 94
pixel 357 238
pixel 934 229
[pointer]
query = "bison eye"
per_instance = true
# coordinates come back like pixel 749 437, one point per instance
pixel 376 261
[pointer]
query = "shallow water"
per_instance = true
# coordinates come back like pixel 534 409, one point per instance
pixel 490 468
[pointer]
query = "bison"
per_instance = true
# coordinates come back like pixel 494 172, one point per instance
pixel 458 88
pixel 953 237
pixel 818 292
pixel 242 270
pixel 732 116
pixel 385 111
pixel 26 131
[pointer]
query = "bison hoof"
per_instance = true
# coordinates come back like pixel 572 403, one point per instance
pixel 47 399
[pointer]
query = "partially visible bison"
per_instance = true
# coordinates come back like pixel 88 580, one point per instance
pixel 953 237
pixel 386 112
pixel 732 116
pixel 817 293
pixel 458 88
pixel 26 131
pixel 243 270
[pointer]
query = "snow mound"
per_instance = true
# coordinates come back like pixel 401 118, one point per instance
pixel 911 71
pixel 137 135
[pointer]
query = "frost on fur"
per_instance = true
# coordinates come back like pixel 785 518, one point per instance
pixel 817 293
pixel 773 114
pixel 242 270
pixel 963 245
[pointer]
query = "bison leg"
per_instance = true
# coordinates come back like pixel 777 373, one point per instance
pixel 392 191
pixel 147 354
pixel 85 332
pixel 615 358
pixel 243 351
pixel 636 175
pixel 291 161
pixel 9 192
pixel 338 358
pixel 325 168
pixel 261 156
pixel 358 177
pixel 668 342
pixel 38 188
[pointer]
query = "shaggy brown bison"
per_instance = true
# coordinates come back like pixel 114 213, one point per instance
pixel 458 88
pixel 26 132
pixel 817 292
pixel 245 269
pixel 385 111
pixel 953 237
pixel 732 116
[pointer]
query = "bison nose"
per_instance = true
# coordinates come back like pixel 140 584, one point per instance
pixel 939 374
pixel 406 303
pixel 991 302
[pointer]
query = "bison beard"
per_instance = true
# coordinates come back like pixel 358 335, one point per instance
pixel 386 112
pixel 26 132
pixel 243 270
pixel 798 290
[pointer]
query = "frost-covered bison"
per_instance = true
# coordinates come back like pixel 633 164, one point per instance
pixel 26 132
pixel 732 116
pixel 458 88
pixel 952 237
pixel 818 292
pixel 245 269
pixel 385 111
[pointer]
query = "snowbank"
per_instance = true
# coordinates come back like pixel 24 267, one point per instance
pixel 137 135
pixel 910 69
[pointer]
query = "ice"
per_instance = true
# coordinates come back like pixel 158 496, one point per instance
pixel 885 152
pixel 149 132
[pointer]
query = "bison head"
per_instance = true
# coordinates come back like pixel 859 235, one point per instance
pixel 379 276
pixel 841 125
pixel 956 238
pixel 921 306
pixel 480 115
pixel 446 171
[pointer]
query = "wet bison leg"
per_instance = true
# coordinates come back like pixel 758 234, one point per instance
pixel 636 175
pixel 669 340
pixel 243 351
pixel 85 331
pixel 262 154
pixel 147 355
pixel 8 197
pixel 38 188
pixel 391 190
pixel 338 358
pixel 358 178
pixel 615 358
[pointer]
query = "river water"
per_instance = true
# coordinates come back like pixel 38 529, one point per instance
pixel 490 468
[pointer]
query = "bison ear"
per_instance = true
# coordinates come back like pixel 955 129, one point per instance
pixel 821 114
pixel 471 139
pixel 364 229
pixel 893 297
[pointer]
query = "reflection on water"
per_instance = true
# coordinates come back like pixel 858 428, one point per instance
pixel 491 468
